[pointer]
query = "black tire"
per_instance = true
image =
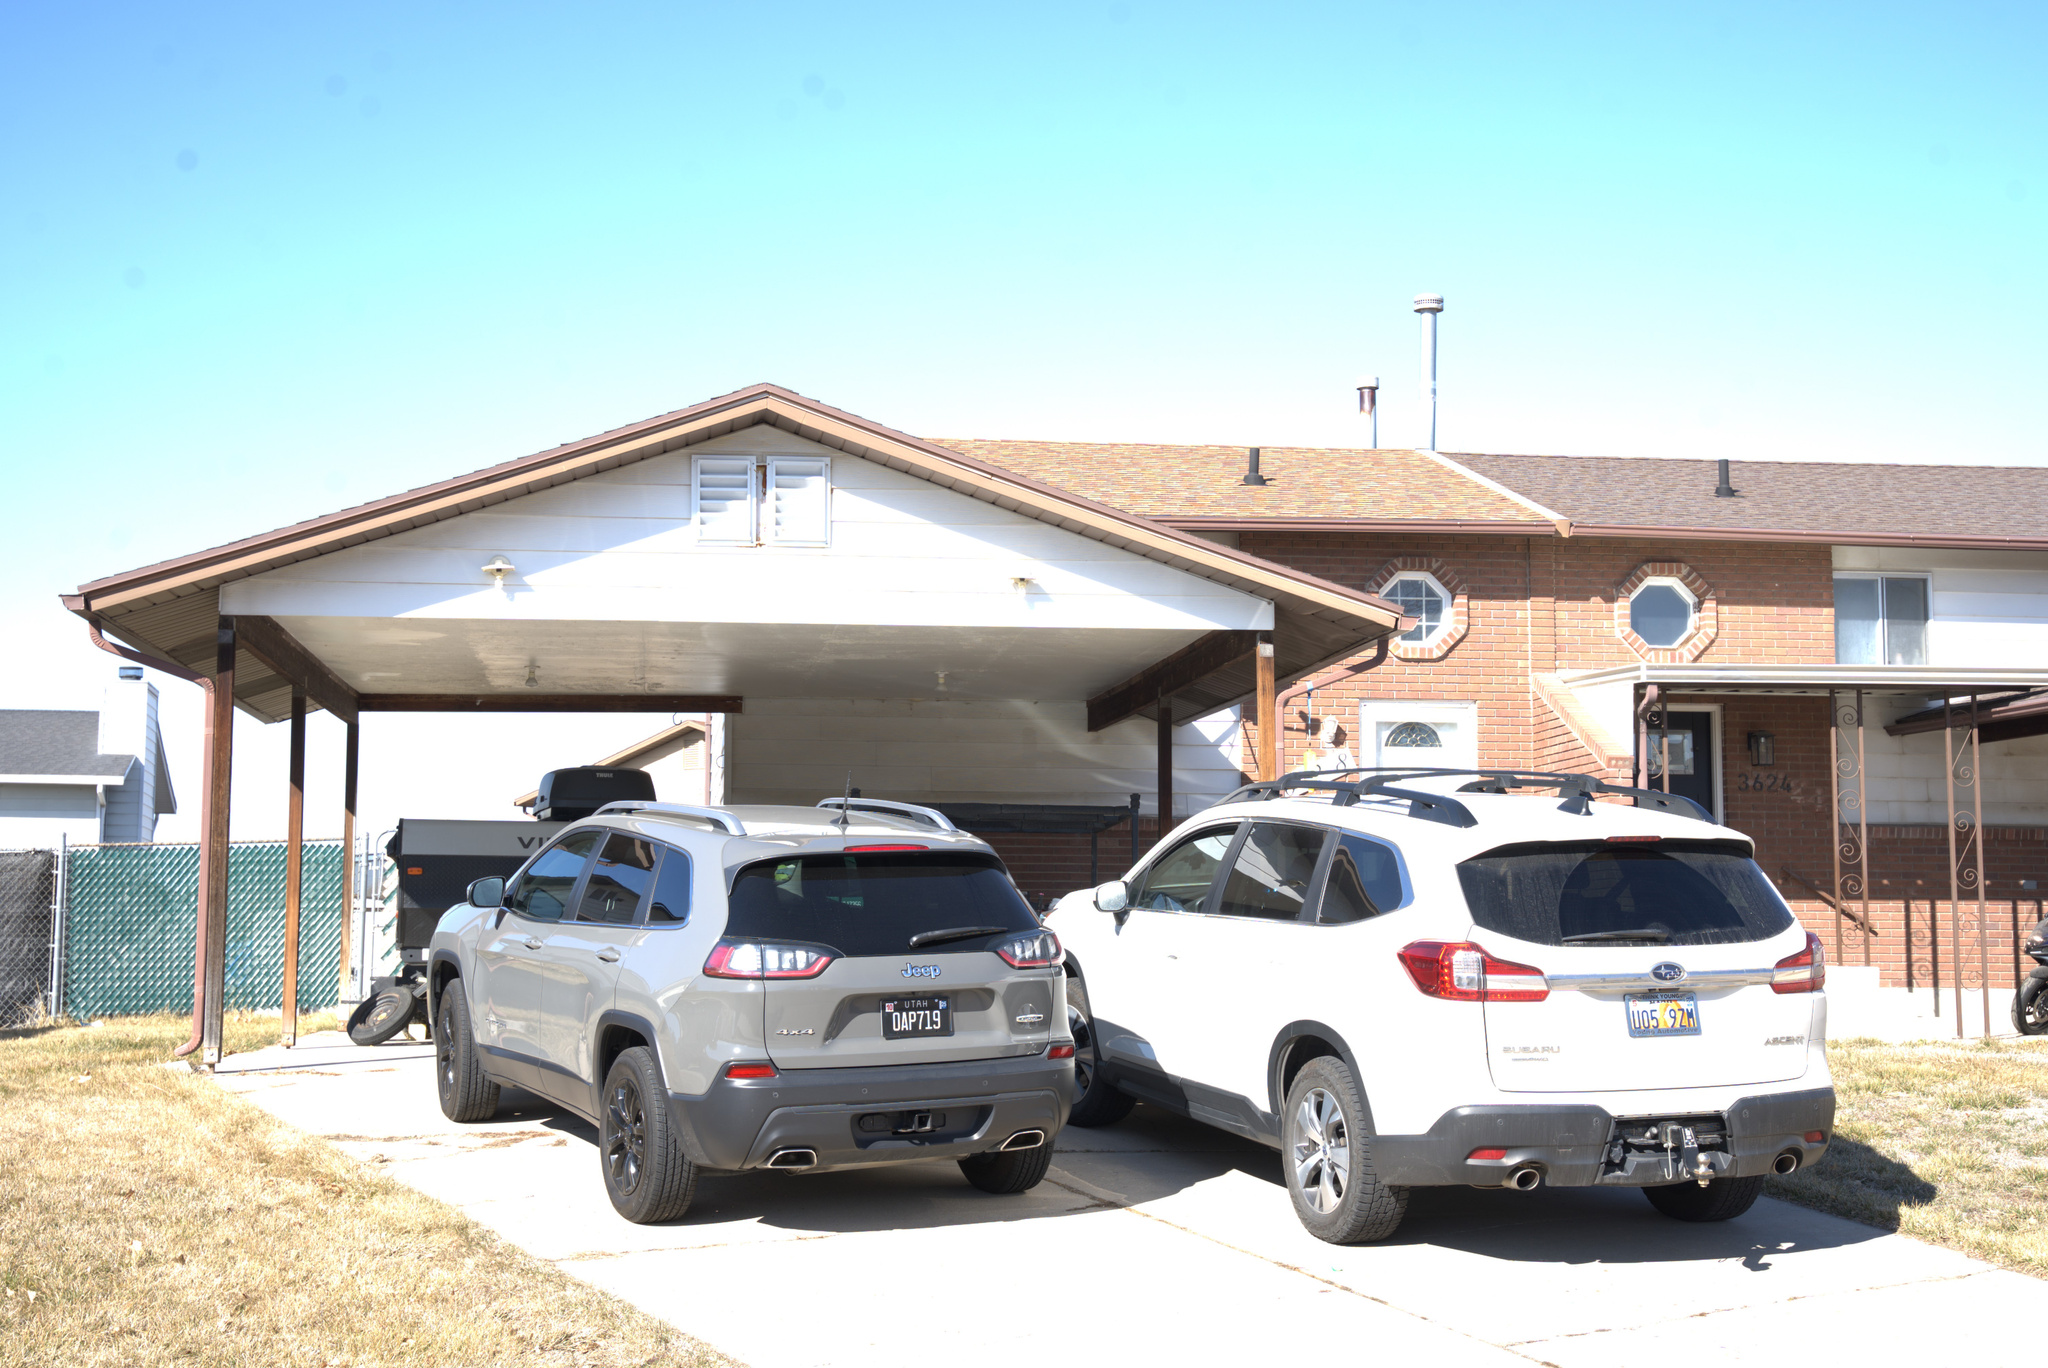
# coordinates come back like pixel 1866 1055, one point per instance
pixel 1723 1199
pixel 646 1173
pixel 1327 1154
pixel 382 1015
pixel 466 1093
pixel 1010 1171
pixel 1096 1100
pixel 2030 1008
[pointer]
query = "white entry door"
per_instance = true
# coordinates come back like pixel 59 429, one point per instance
pixel 1433 735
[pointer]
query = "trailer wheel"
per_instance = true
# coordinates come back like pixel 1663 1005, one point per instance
pixel 382 1015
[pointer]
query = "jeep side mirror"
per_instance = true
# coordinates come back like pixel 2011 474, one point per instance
pixel 1114 896
pixel 487 892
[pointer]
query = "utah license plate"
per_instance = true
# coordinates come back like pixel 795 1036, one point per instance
pixel 904 1018
pixel 1664 1016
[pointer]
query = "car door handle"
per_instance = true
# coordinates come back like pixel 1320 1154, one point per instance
pixel 608 955
pixel 532 942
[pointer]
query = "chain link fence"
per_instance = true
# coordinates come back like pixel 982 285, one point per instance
pixel 28 902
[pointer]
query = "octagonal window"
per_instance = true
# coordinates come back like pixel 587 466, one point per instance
pixel 1419 596
pixel 1661 613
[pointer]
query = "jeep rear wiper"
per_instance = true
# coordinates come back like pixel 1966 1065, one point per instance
pixel 1646 933
pixel 952 933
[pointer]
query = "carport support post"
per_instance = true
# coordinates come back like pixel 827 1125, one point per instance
pixel 294 867
pixel 350 749
pixel 213 847
pixel 1165 765
pixel 1269 709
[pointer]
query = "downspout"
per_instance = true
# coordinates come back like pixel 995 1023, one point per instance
pixel 1379 658
pixel 169 667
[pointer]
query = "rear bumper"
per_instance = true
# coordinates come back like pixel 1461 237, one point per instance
pixel 1569 1145
pixel 973 1107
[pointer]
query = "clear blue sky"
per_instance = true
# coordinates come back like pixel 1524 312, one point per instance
pixel 259 262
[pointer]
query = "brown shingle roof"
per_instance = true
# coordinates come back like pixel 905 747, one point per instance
pixel 1836 500
pixel 1179 483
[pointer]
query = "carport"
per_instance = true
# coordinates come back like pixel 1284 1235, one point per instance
pixel 851 584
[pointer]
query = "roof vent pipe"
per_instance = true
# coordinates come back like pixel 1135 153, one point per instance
pixel 1369 405
pixel 1724 490
pixel 1429 306
pixel 1251 474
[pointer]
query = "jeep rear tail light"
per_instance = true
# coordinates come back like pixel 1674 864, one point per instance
pixel 1804 972
pixel 745 959
pixel 1030 950
pixel 1460 971
pixel 750 1071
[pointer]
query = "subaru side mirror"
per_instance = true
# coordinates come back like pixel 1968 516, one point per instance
pixel 487 892
pixel 1114 896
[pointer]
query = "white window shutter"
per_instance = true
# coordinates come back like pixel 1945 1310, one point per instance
pixel 797 509
pixel 722 496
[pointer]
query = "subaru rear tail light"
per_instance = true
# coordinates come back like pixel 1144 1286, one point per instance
pixel 1804 972
pixel 1460 971
pixel 745 959
pixel 1030 950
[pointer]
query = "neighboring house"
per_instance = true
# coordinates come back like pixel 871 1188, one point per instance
pixel 85 777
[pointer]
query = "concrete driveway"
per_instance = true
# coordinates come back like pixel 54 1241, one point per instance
pixel 1156 1240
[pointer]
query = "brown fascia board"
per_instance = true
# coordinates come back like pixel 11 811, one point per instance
pixel 1614 530
pixel 503 481
pixel 1535 527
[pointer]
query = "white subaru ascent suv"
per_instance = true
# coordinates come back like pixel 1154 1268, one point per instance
pixel 1404 978
pixel 730 988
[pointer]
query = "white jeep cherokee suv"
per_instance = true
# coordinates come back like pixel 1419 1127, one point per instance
pixel 1404 978
pixel 736 988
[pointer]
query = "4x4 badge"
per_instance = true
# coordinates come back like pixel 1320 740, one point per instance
pixel 1667 972
pixel 920 971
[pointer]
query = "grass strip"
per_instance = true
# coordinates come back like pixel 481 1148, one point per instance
pixel 1946 1141
pixel 149 1217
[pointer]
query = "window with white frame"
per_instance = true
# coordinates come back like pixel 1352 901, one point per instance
pixel 1418 595
pixel 1662 611
pixel 762 501
pixel 1881 619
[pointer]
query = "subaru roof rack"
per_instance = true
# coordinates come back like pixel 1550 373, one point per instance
pixel 718 817
pixel 1576 791
pixel 931 817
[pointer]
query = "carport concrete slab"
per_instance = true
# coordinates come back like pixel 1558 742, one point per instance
pixel 1153 1237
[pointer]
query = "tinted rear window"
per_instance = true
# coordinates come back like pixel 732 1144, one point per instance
pixel 1697 892
pixel 872 904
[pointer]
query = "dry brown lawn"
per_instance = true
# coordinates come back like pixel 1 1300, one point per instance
pixel 1943 1141
pixel 148 1217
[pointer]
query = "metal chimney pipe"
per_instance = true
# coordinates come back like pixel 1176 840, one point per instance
pixel 1429 306
pixel 1369 404
pixel 1251 474
pixel 1724 490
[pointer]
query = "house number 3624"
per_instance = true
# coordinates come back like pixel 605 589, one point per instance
pixel 1765 783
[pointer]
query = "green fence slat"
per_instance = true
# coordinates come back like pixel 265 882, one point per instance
pixel 133 911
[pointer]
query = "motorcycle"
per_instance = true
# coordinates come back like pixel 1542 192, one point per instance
pixel 2030 1004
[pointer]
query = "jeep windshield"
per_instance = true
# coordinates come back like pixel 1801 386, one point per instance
pixel 876 902
pixel 1595 893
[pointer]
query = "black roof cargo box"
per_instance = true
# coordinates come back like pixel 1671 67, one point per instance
pixel 567 794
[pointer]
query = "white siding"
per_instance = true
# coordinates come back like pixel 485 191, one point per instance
pixel 39 815
pixel 801 750
pixel 1903 775
pixel 1988 608
pixel 620 545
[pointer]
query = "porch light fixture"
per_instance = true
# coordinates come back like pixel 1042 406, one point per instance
pixel 1761 749
pixel 497 567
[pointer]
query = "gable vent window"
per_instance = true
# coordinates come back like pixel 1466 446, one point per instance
pixel 1880 620
pixel 776 501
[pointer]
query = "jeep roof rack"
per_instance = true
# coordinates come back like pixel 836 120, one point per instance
pixel 930 816
pixel 732 825
pixel 1576 790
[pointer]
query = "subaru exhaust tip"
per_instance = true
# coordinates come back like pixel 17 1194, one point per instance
pixel 1524 1179
pixel 793 1159
pixel 1022 1140
pixel 1786 1163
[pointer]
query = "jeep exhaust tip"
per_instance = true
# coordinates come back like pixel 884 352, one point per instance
pixel 1786 1163
pixel 1023 1139
pixel 793 1159
pixel 1524 1179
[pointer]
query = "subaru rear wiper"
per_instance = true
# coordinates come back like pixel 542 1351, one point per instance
pixel 952 933
pixel 1647 933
